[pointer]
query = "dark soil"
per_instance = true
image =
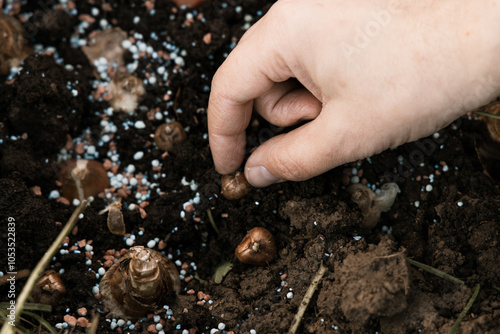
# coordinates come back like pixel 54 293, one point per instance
pixel 369 286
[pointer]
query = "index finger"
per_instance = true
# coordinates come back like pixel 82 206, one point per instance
pixel 251 69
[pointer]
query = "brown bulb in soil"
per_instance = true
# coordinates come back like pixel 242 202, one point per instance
pixel 126 91
pixel 372 205
pixel 188 3
pixel 257 247
pixel 138 283
pixel 235 187
pixel 49 289
pixel 169 135
pixel 116 224
pixel 13 46
pixel 82 178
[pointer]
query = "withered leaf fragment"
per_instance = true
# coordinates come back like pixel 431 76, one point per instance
pixel 372 205
pixel 13 46
pixel 116 225
pixel 49 289
pixel 138 283
pixel 488 152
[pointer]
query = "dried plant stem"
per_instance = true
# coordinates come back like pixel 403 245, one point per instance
pixel 465 310
pixel 212 221
pixel 486 114
pixel 21 274
pixel 307 298
pixel 436 272
pixel 95 322
pixel 45 260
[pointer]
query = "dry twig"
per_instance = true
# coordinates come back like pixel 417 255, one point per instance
pixel 35 274
pixel 307 298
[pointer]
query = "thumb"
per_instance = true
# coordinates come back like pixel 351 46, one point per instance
pixel 335 137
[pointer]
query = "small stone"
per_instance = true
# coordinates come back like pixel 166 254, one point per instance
pixel 138 155
pixel 63 200
pixel 36 191
pixel 152 328
pixel 82 322
pixel 207 39
pixel 109 257
pixel 70 320
pixel 82 311
pixel 107 164
pixel 139 125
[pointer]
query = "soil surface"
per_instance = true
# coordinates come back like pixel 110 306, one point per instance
pixel 446 214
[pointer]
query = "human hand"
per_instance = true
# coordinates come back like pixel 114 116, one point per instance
pixel 373 75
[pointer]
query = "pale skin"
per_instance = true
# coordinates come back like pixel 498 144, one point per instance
pixel 366 75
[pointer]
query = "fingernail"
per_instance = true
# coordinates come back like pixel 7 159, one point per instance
pixel 260 177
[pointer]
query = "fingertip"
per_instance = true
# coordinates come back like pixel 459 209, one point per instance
pixel 228 152
pixel 260 177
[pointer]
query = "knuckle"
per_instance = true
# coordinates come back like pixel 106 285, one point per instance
pixel 290 166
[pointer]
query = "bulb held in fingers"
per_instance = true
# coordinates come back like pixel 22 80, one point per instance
pixel 235 187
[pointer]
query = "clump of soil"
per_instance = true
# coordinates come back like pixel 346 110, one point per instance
pixel 445 215
pixel 372 284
